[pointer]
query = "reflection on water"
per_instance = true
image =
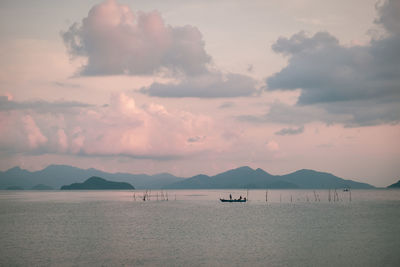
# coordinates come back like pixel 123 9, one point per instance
pixel 295 227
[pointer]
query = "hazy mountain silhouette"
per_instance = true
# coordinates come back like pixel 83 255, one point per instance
pixel 57 175
pixel 98 183
pixel 395 185
pixel 42 187
pixel 14 187
pixel 244 177
pixel 309 179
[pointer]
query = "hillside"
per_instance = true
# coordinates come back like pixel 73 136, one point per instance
pixel 395 185
pixel 97 183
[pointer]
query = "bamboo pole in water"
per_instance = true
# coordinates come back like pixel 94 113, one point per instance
pixel 349 194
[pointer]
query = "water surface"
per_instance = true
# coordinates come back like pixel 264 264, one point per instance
pixel 294 228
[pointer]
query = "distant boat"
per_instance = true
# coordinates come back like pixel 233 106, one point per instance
pixel 233 200
pixel 346 189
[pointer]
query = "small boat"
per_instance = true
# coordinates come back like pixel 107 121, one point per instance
pixel 346 189
pixel 233 200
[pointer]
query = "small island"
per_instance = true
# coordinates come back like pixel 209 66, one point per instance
pixel 97 183
pixel 395 185
pixel 14 187
pixel 42 187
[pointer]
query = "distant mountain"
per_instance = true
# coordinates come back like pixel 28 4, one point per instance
pixel 14 187
pixel 309 179
pixel 57 175
pixel 42 187
pixel 245 177
pixel 97 183
pixel 395 185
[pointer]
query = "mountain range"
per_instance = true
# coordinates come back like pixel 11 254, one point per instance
pixel 56 176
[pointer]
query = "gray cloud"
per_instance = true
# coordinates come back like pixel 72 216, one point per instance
pixel 290 131
pixel 329 72
pixel 196 139
pixel 117 41
pixel 356 114
pixel 227 105
pixel 360 82
pixel 291 115
pixel 66 85
pixel 210 85
pixel 389 16
pixel 40 106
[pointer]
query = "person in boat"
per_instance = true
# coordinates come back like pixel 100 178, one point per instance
pixel 240 198
pixel 230 196
pixel 244 198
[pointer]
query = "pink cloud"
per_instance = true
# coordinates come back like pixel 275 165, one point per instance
pixel 115 40
pixel 121 128
pixel 272 146
pixel 35 136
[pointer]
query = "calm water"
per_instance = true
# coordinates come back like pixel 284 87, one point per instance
pixel 110 228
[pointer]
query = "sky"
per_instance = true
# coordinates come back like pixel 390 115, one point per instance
pixel 190 87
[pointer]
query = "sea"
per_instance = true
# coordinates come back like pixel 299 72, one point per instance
pixel 193 228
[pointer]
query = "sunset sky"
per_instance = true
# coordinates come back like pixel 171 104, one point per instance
pixel 190 87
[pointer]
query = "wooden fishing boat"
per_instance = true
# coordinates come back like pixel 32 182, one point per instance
pixel 233 200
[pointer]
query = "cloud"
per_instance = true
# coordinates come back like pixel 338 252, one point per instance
pixel 272 146
pixel 358 114
pixel 341 80
pixel 120 129
pixel 7 104
pixel 65 85
pixel 115 40
pixel 210 85
pixel 290 131
pixel 228 104
pixel 34 135
pixel 389 16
